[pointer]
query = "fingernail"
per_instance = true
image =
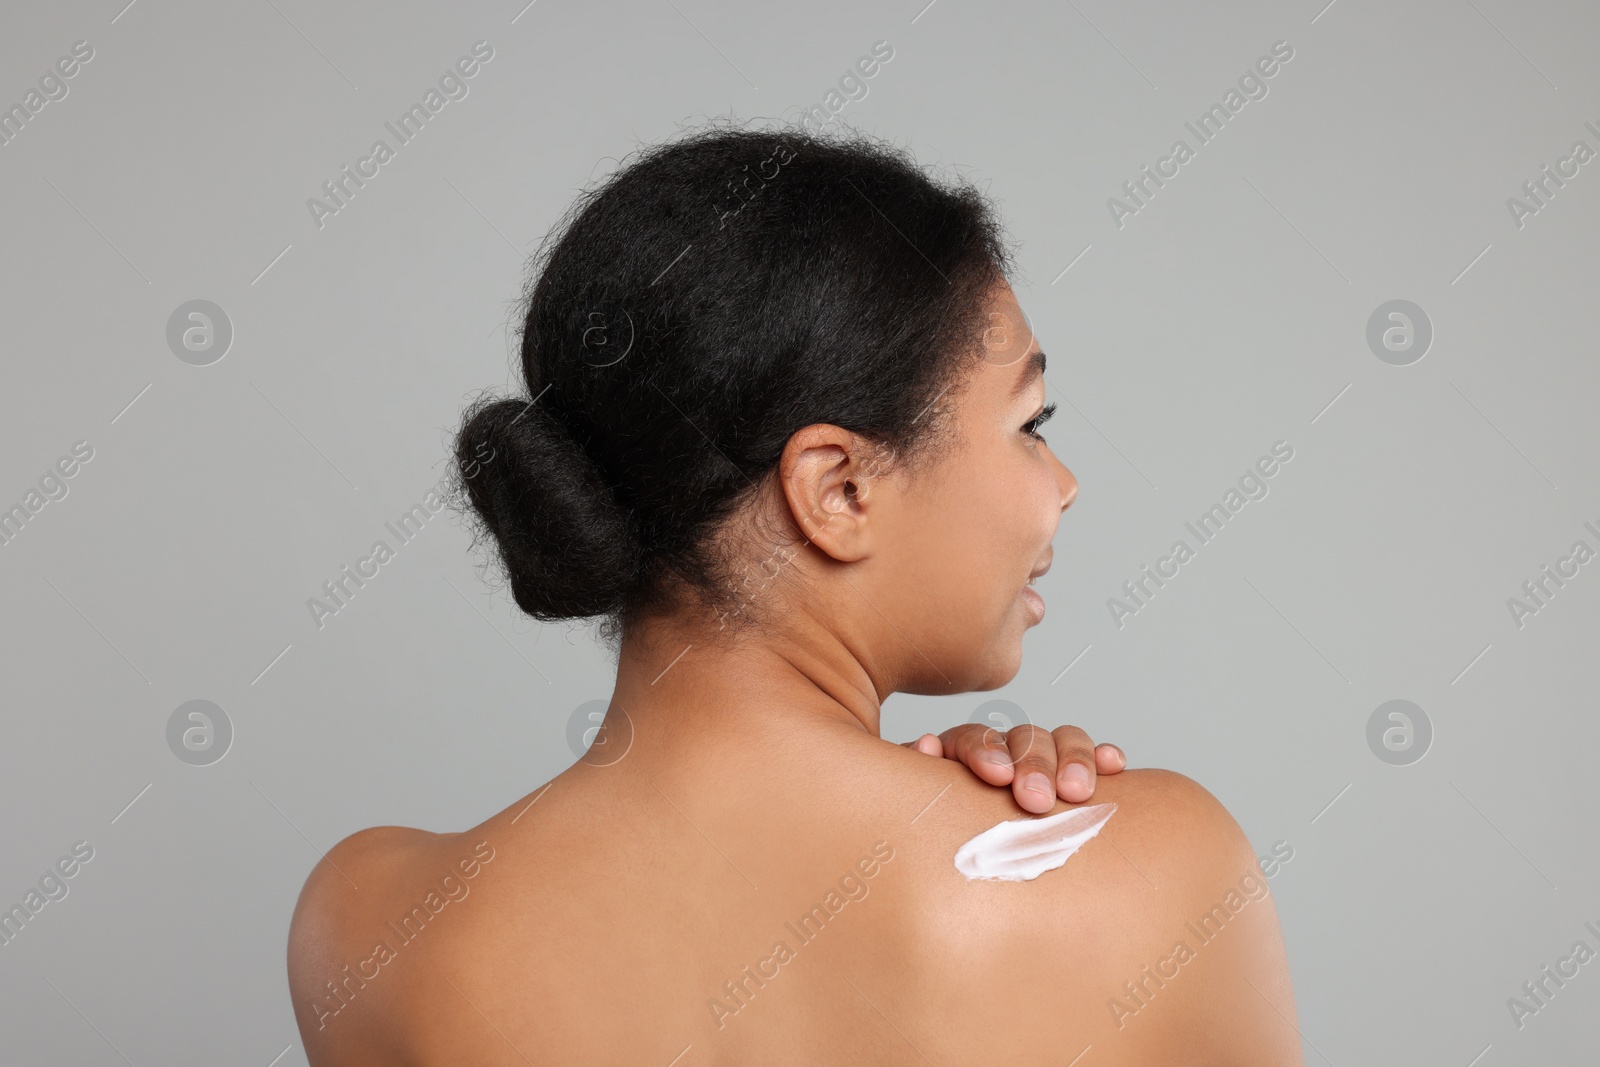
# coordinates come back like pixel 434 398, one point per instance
pixel 998 756
pixel 1039 784
pixel 1076 775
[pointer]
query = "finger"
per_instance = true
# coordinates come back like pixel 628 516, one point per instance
pixel 1076 757
pixel 982 749
pixel 927 744
pixel 1109 759
pixel 1035 758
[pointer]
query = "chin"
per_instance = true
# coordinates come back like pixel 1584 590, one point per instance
pixel 974 659
pixel 1002 664
pixel 997 667
pixel 1008 670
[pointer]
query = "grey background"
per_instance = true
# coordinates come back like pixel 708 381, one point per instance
pixel 1228 314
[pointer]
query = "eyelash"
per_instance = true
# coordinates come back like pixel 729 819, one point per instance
pixel 1031 427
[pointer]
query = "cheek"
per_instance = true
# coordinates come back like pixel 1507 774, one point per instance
pixel 1048 493
pixel 1005 523
pixel 1028 497
pixel 956 538
pixel 976 534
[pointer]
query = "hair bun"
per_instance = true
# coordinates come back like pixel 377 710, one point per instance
pixel 565 545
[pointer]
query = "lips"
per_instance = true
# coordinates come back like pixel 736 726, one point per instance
pixel 1031 597
pixel 1033 600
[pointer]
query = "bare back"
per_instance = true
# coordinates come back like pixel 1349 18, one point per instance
pixel 809 913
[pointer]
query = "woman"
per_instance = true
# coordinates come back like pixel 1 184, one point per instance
pixel 781 436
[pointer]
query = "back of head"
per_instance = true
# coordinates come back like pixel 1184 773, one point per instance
pixel 714 295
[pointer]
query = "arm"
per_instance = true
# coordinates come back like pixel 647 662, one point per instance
pixel 1237 994
pixel 345 1021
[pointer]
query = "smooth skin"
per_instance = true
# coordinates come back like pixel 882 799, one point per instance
pixel 748 873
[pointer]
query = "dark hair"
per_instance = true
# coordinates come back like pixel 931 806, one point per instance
pixel 710 298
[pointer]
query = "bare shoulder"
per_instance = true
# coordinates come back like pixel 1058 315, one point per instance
pixel 1157 940
pixel 332 893
pixel 1203 966
pixel 340 919
pixel 1166 828
pixel 1213 965
pixel 1176 821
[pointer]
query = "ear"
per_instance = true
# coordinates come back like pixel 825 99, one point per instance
pixel 825 473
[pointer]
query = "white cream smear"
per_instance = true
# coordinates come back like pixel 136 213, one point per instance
pixel 1020 850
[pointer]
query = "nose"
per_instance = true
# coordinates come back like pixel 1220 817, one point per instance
pixel 1068 483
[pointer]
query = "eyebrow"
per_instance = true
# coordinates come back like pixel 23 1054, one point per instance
pixel 1031 368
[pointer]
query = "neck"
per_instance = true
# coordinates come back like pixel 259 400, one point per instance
pixel 682 682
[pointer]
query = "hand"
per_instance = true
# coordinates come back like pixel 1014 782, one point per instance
pixel 1029 759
